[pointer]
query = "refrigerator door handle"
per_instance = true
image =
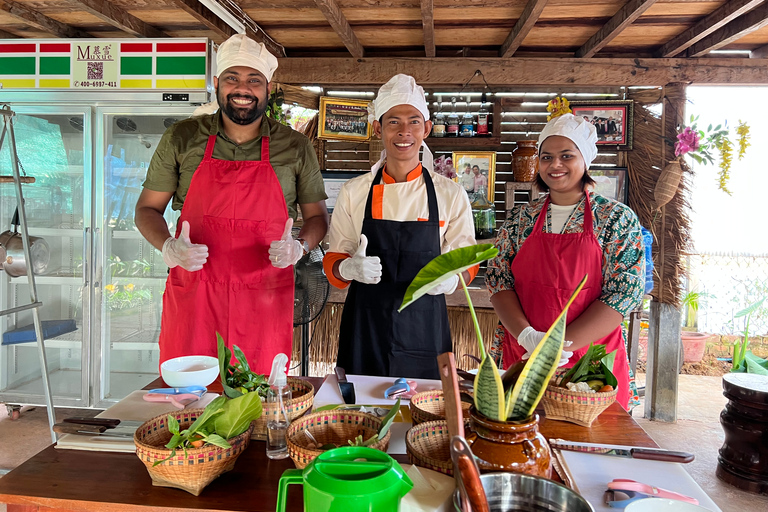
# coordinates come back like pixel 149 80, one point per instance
pixel 85 257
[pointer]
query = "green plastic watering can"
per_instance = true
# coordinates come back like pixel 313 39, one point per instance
pixel 346 479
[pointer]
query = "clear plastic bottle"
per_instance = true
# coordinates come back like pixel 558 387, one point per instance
pixel 279 393
pixel 438 128
pixel 452 126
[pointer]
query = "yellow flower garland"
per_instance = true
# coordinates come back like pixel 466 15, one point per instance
pixel 726 158
pixel 743 131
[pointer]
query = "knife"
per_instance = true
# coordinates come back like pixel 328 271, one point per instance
pixel 347 389
pixel 106 422
pixel 629 452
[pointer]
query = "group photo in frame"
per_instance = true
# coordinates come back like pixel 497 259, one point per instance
pixel 344 119
pixel 613 120
pixel 611 183
pixel 476 172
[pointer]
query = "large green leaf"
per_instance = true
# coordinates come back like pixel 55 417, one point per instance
pixel 540 367
pixel 225 356
pixel 238 414
pixel 750 309
pixel 444 267
pixel 489 391
pixel 755 364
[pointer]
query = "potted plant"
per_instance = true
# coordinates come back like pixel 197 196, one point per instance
pixel 506 436
pixel 694 342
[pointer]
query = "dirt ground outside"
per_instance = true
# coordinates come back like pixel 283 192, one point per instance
pixel 710 365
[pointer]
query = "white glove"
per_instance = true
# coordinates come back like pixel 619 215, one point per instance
pixel 530 338
pixel 362 268
pixel 286 251
pixel 447 287
pixel 182 252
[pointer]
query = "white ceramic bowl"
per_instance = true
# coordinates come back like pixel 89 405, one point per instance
pixel 185 371
pixel 663 505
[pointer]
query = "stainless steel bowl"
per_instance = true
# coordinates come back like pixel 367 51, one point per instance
pixel 516 492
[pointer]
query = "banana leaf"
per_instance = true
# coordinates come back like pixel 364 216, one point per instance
pixel 755 364
pixel 489 391
pixel 540 367
pixel 444 267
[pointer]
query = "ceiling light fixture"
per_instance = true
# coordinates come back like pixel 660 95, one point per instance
pixel 225 16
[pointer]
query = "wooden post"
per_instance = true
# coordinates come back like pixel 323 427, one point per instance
pixel 663 357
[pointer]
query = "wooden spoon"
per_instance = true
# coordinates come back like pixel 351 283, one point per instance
pixel 447 366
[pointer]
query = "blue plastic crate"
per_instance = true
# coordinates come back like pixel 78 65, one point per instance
pixel 51 328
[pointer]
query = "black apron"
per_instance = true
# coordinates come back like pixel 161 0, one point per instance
pixel 374 338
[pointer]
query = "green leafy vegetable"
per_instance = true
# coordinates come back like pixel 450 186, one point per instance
pixel 237 414
pixel 238 379
pixel 388 419
pixel 595 364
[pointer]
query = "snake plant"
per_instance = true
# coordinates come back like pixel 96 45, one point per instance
pixel 490 399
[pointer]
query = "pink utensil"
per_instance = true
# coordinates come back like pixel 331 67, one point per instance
pixel 179 401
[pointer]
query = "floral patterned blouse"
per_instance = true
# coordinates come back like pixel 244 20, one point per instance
pixel 618 233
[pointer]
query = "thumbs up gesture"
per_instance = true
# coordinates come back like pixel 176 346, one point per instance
pixel 182 252
pixel 362 268
pixel 286 251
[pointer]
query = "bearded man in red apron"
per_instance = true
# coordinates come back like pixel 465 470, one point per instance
pixel 237 177
pixel 386 226
pixel 547 247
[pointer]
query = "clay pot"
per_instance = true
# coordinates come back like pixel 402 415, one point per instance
pixel 509 445
pixel 694 345
pixel 525 161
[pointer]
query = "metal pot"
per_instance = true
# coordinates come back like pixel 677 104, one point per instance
pixel 14 262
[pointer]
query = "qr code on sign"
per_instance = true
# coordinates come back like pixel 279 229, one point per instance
pixel 95 71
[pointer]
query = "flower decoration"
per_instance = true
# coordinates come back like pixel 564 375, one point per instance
pixel 444 166
pixel 557 107
pixel 702 146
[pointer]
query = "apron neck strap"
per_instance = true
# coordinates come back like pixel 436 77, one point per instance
pixel 209 146
pixel 587 228
pixel 434 214
pixel 264 148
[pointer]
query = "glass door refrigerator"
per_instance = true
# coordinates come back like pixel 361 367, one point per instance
pixel 88 151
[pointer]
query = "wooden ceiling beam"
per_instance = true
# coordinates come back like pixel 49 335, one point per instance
pixel 524 25
pixel 444 71
pixel 428 25
pixel 119 18
pixel 738 28
pixel 760 53
pixel 621 20
pixel 41 21
pixel 341 26
pixel 719 18
pixel 7 35
pixel 207 17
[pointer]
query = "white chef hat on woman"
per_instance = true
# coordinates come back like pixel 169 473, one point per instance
pixel 241 50
pixel 580 131
pixel 400 90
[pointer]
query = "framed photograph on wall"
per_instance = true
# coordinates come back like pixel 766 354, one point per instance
pixel 333 181
pixel 613 120
pixel 476 173
pixel 344 119
pixel 611 183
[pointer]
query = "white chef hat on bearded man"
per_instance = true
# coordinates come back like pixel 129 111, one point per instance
pixel 241 50
pixel 400 90
pixel 580 131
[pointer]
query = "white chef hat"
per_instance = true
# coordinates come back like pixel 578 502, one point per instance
pixel 241 50
pixel 580 131
pixel 400 90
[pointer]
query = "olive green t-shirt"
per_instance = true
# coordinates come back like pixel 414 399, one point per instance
pixel 182 148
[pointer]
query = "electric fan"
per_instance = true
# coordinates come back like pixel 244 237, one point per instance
pixel 311 291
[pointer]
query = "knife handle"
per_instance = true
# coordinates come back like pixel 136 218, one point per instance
pixel 341 375
pixel 77 428
pixel 662 455
pixel 106 422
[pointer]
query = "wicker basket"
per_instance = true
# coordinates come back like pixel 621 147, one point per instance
pixel 302 398
pixel 428 446
pixel 430 406
pixel 574 406
pixel 191 471
pixel 336 427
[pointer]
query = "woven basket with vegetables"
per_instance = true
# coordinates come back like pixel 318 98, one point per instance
pixel 580 394
pixel 238 379
pixel 188 449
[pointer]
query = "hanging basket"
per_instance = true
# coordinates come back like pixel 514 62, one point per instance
pixel 669 181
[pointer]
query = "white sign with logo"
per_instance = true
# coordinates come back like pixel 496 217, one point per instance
pixel 95 65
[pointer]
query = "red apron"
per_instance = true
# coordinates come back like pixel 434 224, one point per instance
pixel 547 268
pixel 237 209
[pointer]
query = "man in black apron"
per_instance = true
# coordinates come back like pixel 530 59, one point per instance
pixel 400 233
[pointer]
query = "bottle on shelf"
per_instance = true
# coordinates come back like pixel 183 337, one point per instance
pixel 452 124
pixel 438 127
pixel 467 125
pixel 482 117
pixel 279 393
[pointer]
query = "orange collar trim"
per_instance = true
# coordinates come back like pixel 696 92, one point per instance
pixel 387 179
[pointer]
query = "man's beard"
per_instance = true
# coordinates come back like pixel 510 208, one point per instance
pixel 239 115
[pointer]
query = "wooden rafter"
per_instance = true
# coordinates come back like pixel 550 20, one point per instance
pixel 207 17
pixel 524 25
pixel 428 24
pixel 261 37
pixel 760 53
pixel 119 18
pixel 621 20
pixel 7 35
pixel 444 71
pixel 751 21
pixel 719 18
pixel 341 26
pixel 41 21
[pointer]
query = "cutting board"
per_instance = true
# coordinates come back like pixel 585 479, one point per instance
pixel 591 474
pixel 131 408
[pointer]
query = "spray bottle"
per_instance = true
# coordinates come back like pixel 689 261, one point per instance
pixel 279 393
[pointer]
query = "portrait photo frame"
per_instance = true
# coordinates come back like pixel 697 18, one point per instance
pixel 613 119
pixel 612 183
pixel 481 163
pixel 333 181
pixel 344 119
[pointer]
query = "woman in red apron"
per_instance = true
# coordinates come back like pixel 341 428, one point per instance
pixel 546 248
